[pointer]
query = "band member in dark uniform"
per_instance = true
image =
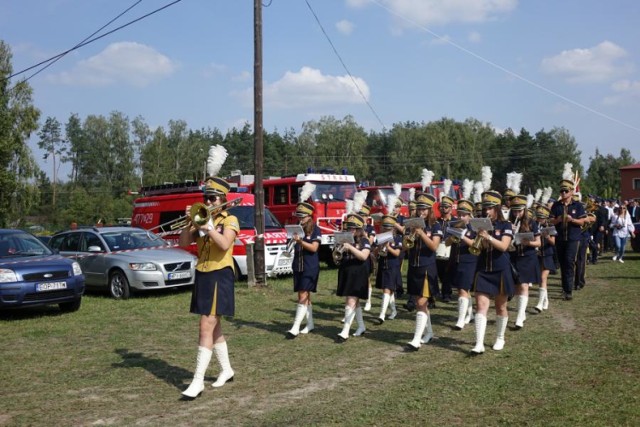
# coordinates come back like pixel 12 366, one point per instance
pixel 213 293
pixel 599 229
pixel 443 263
pixel 370 231
pixel 493 274
pixel 422 275
pixel 568 216
pixel 463 264
pixel 353 275
pixel 388 276
pixel 545 256
pixel 306 268
pixel 524 255
pixel 581 255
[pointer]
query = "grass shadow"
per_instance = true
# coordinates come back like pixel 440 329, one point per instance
pixel 172 375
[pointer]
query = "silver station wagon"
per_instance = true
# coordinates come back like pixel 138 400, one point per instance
pixel 125 259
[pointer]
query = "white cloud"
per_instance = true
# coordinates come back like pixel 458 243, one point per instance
pixel 626 92
pixel 310 88
pixel 474 37
pixel 244 76
pixel 597 64
pixel 345 27
pixel 428 12
pixel 130 63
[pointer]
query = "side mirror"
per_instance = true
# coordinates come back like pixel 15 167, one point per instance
pixel 95 249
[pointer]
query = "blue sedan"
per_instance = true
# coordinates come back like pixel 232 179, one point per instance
pixel 32 275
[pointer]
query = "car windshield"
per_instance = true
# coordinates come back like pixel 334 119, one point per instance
pixel 132 239
pixel 246 217
pixel 21 245
pixel 334 191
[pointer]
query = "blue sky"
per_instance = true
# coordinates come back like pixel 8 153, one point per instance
pixel 512 63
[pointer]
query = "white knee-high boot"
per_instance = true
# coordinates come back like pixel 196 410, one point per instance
pixel 197 384
pixel 226 373
pixel 386 298
pixel 428 331
pixel 542 295
pixel 421 323
pixel 367 305
pixel 501 327
pixel 349 314
pixel 481 327
pixel 469 317
pixel 392 304
pixel 301 312
pixel 522 311
pixel 463 305
pixel 310 326
pixel 360 320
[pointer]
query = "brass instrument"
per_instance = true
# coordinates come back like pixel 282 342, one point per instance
pixel 184 220
pixel 409 240
pixel 412 224
pixel 291 245
pixel 338 253
pixel 455 233
pixel 476 246
pixel 516 228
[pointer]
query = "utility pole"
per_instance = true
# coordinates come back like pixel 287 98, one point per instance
pixel 258 255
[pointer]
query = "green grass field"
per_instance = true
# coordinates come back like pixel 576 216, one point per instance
pixel 124 363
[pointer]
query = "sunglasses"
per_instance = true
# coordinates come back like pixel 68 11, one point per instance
pixel 564 191
pixel 211 198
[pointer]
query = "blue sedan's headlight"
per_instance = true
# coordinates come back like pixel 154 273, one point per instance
pixel 142 266
pixel 7 276
pixel 76 269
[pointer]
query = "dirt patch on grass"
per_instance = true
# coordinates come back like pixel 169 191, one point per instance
pixel 565 320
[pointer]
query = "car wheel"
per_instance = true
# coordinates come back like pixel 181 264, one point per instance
pixel 71 306
pixel 119 285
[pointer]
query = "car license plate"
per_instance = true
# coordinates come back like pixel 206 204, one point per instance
pixel 51 286
pixel 284 262
pixel 179 275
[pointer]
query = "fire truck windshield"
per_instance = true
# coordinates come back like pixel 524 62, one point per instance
pixel 334 191
pixel 246 217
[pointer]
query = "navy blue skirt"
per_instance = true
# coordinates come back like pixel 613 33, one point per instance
pixel 213 293
pixel 463 276
pixel 547 263
pixel 353 280
pixel 419 280
pixel 305 281
pixel 528 268
pixel 390 278
pixel 494 283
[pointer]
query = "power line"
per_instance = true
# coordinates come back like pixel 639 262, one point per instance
pixel 84 40
pixel 505 70
pixel 353 80
pixel 79 45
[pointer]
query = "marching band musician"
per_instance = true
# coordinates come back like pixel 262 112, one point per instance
pixel 525 256
pixel 546 254
pixel 583 245
pixel 306 268
pixel 370 232
pixel 422 275
pixel 493 276
pixel 389 276
pixel 353 275
pixel 397 212
pixel 443 263
pixel 464 265
pixel 213 292
pixel 568 216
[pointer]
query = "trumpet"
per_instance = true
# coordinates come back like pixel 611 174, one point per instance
pixel 291 245
pixel 197 215
pixel 455 235
pixel 476 246
pixel 409 240
pixel 338 253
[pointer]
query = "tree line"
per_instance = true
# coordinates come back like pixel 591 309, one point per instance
pixel 110 156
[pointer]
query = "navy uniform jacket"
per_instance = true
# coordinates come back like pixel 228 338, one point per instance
pixel 571 232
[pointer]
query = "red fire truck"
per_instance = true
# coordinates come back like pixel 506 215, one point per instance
pixel 160 205
pixel 378 194
pixel 329 199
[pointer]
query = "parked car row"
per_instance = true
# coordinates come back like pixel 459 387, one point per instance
pixel 120 260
